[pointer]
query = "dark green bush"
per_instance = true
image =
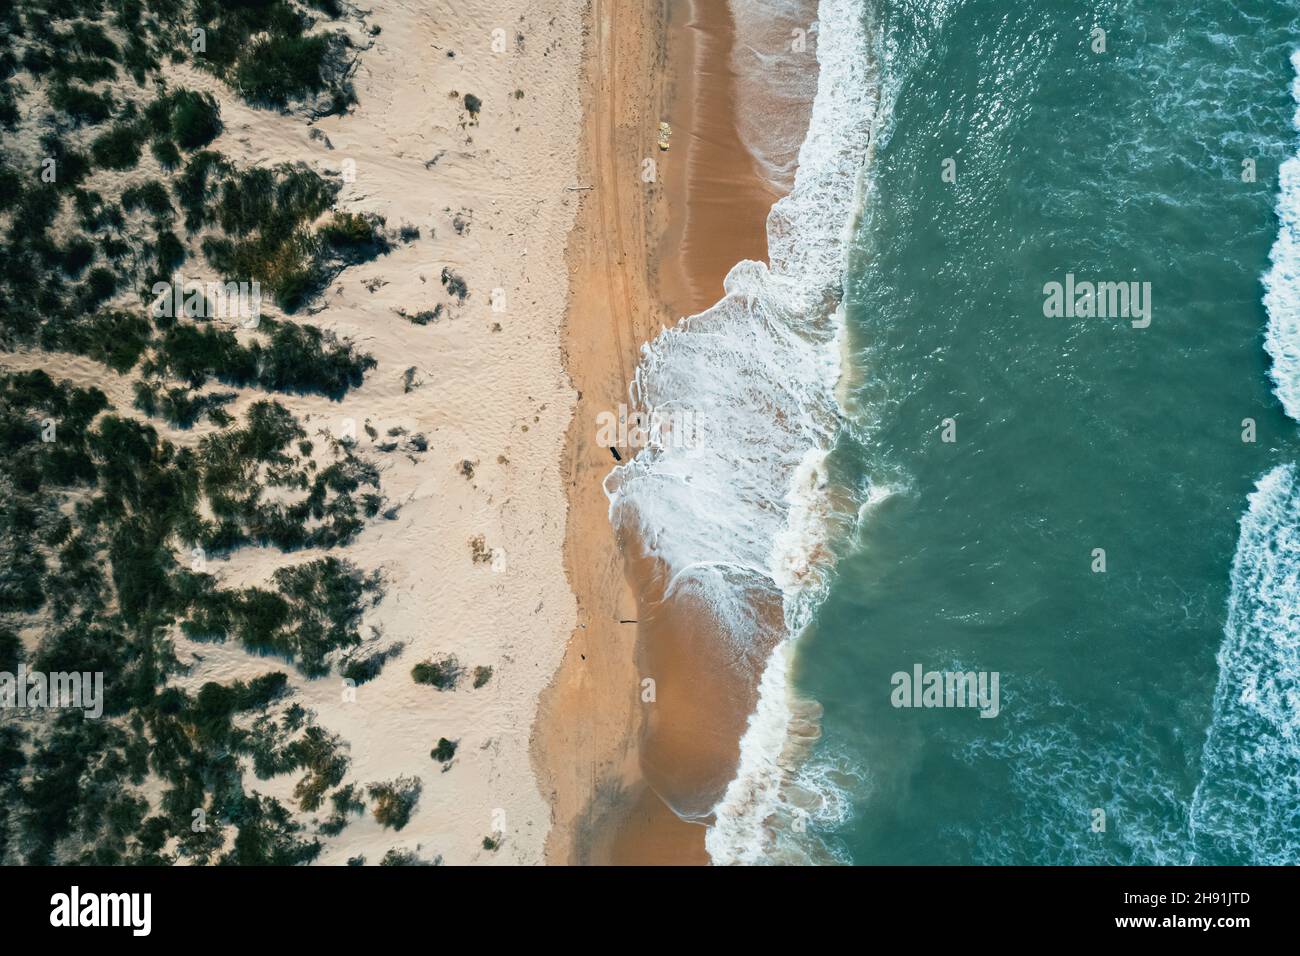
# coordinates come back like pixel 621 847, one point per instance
pixel 119 148
pixel 151 196
pixel 115 338
pixel 281 68
pixel 444 751
pixel 443 673
pixel 395 800
pixel 84 106
pixel 195 119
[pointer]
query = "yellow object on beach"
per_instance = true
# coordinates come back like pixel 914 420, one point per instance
pixel 665 131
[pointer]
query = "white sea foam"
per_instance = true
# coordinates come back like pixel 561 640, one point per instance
pixel 749 507
pixel 1282 281
pixel 1246 808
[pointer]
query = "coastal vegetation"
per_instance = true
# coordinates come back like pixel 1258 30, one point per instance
pixel 396 857
pixel 346 803
pixel 394 800
pixel 361 670
pixel 113 180
pixel 454 285
pixel 444 751
pixel 107 578
pixel 444 673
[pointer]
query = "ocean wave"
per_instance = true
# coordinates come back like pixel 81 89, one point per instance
pixel 1063 763
pixel 1246 808
pixel 1282 281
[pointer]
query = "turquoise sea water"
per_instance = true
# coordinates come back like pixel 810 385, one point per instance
pixel 1132 691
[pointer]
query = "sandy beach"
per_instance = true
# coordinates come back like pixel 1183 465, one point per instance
pixel 643 255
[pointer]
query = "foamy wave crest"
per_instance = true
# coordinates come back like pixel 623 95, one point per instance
pixel 750 506
pixel 1282 281
pixel 781 792
pixel 1246 808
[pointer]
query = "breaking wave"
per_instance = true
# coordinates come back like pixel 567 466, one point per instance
pixel 1246 808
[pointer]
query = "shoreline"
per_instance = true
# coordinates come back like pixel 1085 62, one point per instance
pixel 717 202
pixel 644 255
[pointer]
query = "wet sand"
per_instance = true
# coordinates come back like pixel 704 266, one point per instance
pixel 717 200
pixel 613 757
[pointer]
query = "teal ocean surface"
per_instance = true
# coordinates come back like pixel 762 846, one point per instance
pixel 942 454
pixel 1150 712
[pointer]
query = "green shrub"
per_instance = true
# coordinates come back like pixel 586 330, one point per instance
pixel 166 153
pixel 195 119
pixel 445 750
pixel 151 196
pixel 442 674
pixel 180 407
pixel 115 338
pixel 90 39
pixel 119 148
pixel 395 800
pixel 359 238
pixel 191 187
pixel 279 68
pixel 82 105
pixel 396 857
pixel 267 836
pixel 100 285
pixel 454 284
pixel 365 669
pixel 169 253
pixel 346 803
pixel 70 166
pixel 77 255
